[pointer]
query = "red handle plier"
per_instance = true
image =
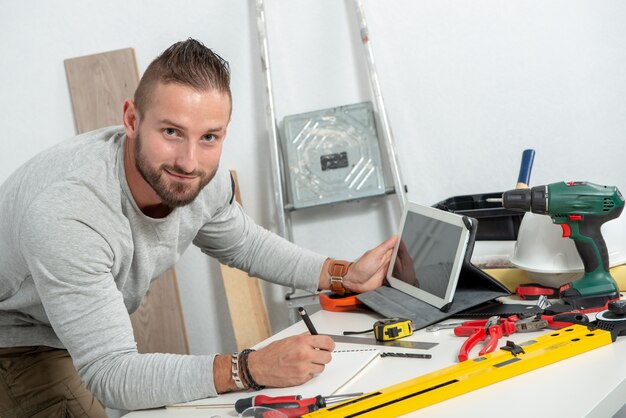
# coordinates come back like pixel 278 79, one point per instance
pixel 478 331
pixel 495 328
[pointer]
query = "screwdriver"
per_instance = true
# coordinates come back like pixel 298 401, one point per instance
pixel 295 403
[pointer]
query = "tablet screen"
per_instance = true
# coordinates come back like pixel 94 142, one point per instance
pixel 428 257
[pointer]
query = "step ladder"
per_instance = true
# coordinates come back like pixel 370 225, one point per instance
pixel 283 207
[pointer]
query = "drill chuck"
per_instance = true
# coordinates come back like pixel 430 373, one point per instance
pixel 528 200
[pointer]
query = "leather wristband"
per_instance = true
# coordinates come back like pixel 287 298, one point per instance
pixel 246 375
pixel 337 271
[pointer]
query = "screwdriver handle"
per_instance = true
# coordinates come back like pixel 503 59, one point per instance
pixel 245 403
pixel 287 413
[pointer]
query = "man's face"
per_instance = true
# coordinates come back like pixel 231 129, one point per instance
pixel 179 141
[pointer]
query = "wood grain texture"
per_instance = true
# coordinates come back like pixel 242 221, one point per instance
pixel 158 323
pixel 99 84
pixel 245 301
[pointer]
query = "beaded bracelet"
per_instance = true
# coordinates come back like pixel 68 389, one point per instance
pixel 246 371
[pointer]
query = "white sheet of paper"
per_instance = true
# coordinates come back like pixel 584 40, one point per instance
pixel 345 365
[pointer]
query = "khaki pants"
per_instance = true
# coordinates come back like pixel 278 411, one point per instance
pixel 42 382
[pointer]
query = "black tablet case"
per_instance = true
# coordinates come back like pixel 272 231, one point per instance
pixel 474 287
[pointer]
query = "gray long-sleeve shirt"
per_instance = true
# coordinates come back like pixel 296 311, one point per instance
pixel 77 256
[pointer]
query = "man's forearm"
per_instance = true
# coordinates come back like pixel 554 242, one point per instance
pixel 365 274
pixel 324 282
pixel 222 374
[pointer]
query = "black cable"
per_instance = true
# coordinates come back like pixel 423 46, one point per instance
pixel 357 332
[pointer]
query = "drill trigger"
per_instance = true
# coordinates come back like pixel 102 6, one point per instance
pixel 567 231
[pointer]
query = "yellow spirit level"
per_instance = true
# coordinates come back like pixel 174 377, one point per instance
pixel 469 375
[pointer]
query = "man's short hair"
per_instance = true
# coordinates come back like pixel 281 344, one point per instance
pixel 188 63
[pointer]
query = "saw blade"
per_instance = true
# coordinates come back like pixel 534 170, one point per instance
pixel 420 345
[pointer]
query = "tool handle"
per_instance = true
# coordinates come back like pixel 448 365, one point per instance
pixel 532 291
pixel 581 208
pixel 294 409
pixel 495 333
pixel 466 331
pixel 259 400
pixel 566 319
pixel 298 407
pixel 590 243
pixel 272 413
pixel 289 413
pixel 507 327
pixel 478 335
pixel 477 323
pixel 523 180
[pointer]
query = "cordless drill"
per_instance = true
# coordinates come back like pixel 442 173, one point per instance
pixel 580 208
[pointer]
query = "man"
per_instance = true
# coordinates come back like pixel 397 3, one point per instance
pixel 85 226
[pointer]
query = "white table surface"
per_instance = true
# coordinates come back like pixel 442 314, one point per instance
pixel 591 384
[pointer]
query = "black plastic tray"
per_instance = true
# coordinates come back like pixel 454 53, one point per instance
pixel 495 223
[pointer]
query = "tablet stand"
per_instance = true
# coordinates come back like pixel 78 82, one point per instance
pixel 474 287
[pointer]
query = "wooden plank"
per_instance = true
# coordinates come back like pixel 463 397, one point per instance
pixel 245 301
pixel 99 84
pixel 158 323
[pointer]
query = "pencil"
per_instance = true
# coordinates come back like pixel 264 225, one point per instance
pixel 307 320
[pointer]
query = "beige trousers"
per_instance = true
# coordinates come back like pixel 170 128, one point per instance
pixel 42 382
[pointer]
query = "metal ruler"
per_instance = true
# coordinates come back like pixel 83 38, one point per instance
pixel 469 375
pixel 420 345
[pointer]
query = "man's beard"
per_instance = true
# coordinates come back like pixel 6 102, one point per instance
pixel 172 193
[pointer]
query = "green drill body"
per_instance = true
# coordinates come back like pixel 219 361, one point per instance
pixel 580 208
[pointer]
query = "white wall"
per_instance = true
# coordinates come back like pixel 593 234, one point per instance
pixel 468 86
pixel 36 110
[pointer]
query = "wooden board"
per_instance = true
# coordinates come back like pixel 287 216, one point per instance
pixel 245 301
pixel 158 323
pixel 99 84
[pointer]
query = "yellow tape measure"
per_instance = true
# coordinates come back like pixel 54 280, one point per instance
pixel 390 329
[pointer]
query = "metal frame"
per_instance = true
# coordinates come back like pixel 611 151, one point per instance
pixel 380 106
pixel 283 223
pixel 283 218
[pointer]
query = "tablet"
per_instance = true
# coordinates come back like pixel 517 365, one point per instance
pixel 427 259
